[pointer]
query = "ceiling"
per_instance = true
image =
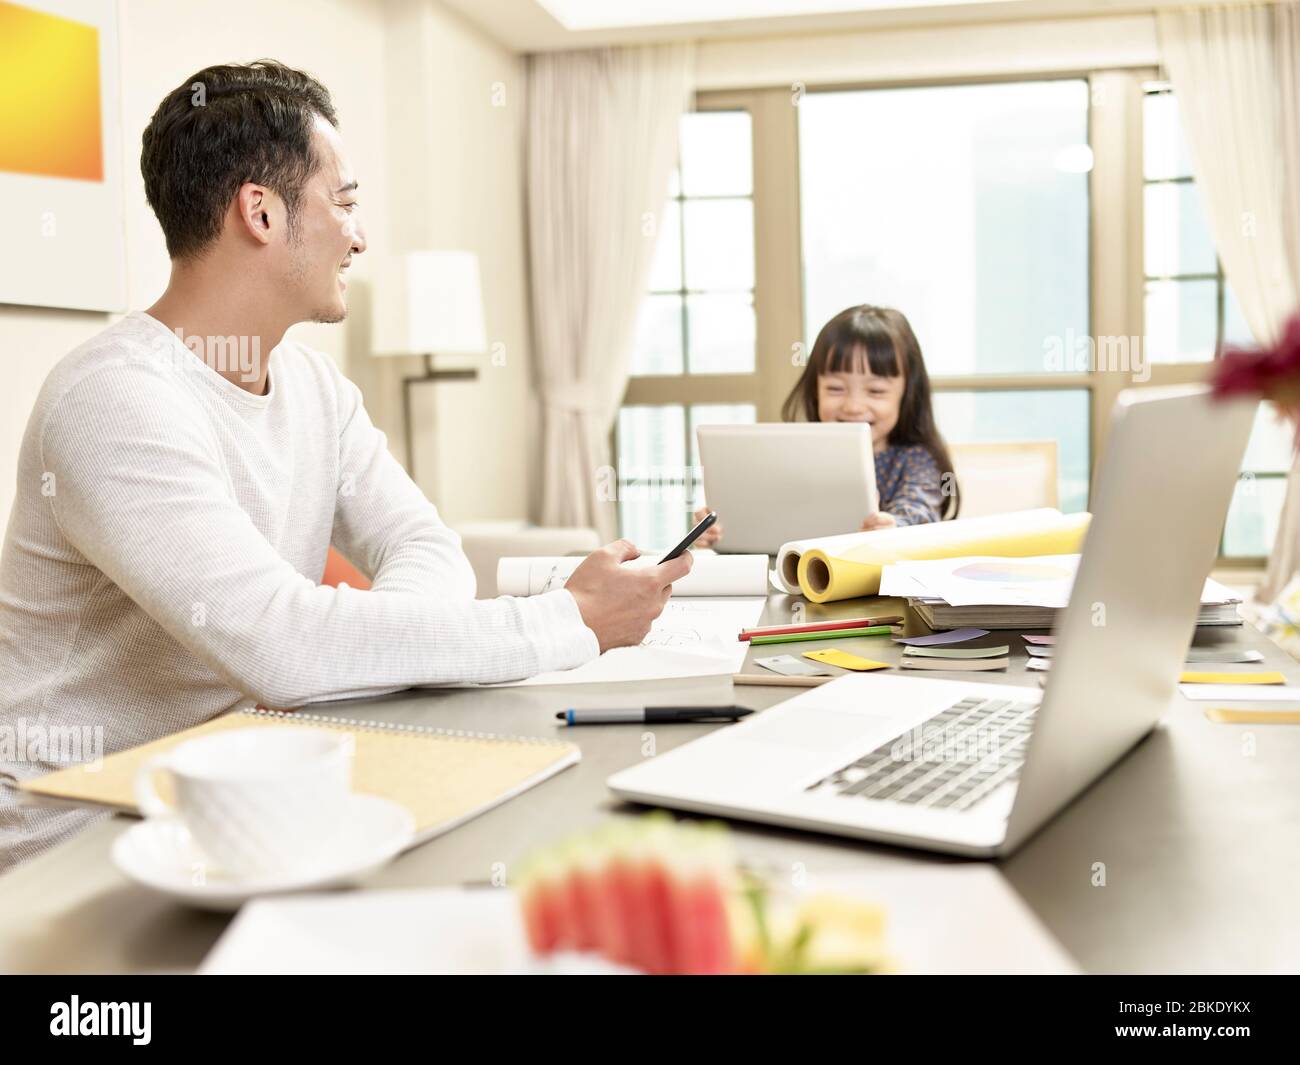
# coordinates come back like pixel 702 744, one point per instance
pixel 544 25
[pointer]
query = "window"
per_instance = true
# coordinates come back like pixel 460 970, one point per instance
pixel 697 324
pixel 977 230
pixel 980 229
pixel 1261 489
pixel 992 416
pixel 699 316
pixel 659 467
pixel 1191 313
pixel 1190 310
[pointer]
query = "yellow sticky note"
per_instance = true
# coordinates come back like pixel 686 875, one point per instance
pixel 832 657
pixel 1224 716
pixel 1232 678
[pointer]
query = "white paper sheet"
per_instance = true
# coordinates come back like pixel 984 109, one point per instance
pixel 711 574
pixel 987 580
pixel 1241 693
pixel 960 918
pixel 896 581
pixel 691 638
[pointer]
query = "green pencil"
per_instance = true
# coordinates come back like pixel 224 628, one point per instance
pixel 829 634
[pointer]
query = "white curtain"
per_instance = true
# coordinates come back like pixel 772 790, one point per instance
pixel 1234 74
pixel 602 143
pixel 1288 67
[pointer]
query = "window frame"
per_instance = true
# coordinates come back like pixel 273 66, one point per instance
pixel 1116 257
pixel 688 389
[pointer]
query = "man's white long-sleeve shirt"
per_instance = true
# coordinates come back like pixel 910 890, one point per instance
pixel 168 532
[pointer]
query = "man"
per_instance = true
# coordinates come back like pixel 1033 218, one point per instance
pixel 184 473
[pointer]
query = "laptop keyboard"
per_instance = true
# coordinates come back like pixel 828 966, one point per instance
pixel 951 761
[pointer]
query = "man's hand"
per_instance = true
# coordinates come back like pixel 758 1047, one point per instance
pixel 881 520
pixel 618 603
pixel 712 534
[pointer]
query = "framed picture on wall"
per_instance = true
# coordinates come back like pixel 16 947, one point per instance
pixel 61 155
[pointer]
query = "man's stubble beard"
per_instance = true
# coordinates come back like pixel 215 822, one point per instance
pixel 298 276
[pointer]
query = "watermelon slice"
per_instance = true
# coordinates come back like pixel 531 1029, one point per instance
pixel 703 879
pixel 668 897
pixel 543 903
pixel 611 904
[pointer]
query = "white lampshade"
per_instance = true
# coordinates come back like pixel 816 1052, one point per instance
pixel 429 302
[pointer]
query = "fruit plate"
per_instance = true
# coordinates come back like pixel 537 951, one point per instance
pixel 949 919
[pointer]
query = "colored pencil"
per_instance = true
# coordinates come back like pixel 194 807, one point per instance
pixel 818 626
pixel 822 634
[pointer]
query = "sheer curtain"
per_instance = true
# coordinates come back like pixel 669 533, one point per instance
pixel 1234 72
pixel 602 143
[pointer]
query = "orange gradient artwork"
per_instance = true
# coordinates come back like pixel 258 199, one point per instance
pixel 49 95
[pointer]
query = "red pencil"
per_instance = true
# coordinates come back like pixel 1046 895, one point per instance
pixel 819 626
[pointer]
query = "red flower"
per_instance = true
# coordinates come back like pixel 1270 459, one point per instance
pixel 1272 373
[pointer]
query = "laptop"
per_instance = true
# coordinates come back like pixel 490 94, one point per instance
pixel 975 768
pixel 776 482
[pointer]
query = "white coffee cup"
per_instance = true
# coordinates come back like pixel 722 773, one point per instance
pixel 259 802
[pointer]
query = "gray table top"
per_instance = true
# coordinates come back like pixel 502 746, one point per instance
pixel 1196 830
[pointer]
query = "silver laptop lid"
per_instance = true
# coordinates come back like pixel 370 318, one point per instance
pixel 1162 495
pixel 771 483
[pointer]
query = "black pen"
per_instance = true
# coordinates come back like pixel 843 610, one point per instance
pixel 662 715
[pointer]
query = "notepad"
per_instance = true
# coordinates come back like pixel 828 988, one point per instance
pixel 844 660
pixel 936 639
pixel 1232 678
pixel 999 651
pixel 966 665
pixel 789 666
pixel 443 777
pixel 1223 654
pixel 1224 716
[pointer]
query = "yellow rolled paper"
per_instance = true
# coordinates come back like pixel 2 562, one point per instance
pixel 849 570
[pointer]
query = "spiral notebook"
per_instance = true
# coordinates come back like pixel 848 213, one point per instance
pixel 443 777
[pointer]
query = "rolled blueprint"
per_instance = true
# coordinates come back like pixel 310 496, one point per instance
pixel 845 567
pixel 787 559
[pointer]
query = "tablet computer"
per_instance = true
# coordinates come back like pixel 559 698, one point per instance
pixel 775 482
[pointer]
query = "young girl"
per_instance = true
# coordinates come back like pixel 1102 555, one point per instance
pixel 866 366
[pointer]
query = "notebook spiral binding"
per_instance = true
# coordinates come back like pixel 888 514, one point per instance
pixel 392 726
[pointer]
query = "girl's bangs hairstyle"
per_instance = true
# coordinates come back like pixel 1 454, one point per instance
pixel 878 340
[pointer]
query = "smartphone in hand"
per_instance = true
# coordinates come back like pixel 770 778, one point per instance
pixel 708 521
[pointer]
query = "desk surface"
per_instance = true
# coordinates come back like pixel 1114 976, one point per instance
pixel 1196 830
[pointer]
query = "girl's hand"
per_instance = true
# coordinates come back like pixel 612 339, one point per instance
pixel 711 535
pixel 880 520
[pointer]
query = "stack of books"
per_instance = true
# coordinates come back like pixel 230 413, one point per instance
pixel 1008 593
pixel 1220 609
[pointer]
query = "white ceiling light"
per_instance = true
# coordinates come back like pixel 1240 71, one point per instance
pixel 603 14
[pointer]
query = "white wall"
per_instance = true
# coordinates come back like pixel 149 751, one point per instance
pixel 456 119
pixel 452 176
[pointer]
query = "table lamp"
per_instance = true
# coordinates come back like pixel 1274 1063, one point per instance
pixel 428 303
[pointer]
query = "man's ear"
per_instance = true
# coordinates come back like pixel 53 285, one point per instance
pixel 255 207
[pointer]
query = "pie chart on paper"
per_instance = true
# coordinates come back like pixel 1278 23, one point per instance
pixel 1011 571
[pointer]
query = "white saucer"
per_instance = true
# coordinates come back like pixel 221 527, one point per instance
pixel 161 855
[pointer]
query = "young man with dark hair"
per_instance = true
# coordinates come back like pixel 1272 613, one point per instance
pixel 184 473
